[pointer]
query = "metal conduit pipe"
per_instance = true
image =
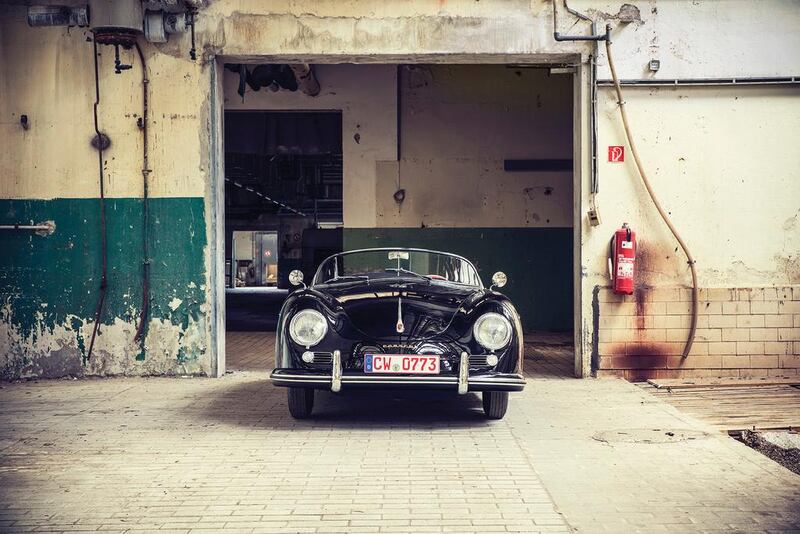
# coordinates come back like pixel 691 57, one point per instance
pixel 103 245
pixel 141 330
pixel 559 37
pixel 43 229
pixel 702 82
pixel 631 142
pixel 594 184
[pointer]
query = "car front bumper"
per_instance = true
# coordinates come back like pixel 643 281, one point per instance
pixel 337 378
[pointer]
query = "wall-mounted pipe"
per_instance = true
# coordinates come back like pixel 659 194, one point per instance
pixel 101 299
pixel 560 37
pixel 43 229
pixel 700 82
pixel 141 330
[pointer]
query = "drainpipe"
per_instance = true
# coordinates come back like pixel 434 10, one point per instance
pixel 594 185
pixel 141 330
pixel 101 299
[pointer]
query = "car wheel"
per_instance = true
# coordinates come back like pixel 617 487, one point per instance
pixel 495 404
pixel 301 402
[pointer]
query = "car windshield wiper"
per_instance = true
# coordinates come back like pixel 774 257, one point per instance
pixel 349 278
pixel 399 270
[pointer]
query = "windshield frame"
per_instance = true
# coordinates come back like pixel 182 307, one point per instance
pixel 480 285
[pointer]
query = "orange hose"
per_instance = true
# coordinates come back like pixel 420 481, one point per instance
pixel 690 260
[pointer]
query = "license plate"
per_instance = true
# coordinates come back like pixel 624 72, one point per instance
pixel 401 363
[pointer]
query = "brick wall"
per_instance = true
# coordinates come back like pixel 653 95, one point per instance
pixel 741 332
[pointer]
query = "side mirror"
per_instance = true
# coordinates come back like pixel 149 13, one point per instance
pixel 499 279
pixel 296 277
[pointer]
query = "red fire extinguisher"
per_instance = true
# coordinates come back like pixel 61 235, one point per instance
pixel 623 259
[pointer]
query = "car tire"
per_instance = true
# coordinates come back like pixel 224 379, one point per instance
pixel 495 404
pixel 301 402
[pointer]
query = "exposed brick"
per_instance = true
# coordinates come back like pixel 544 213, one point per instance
pixel 708 334
pixel 763 334
pixel 750 347
pixel 735 361
pixel 764 306
pixel 796 320
pixel 650 349
pixel 796 293
pixel 789 306
pixel 618 308
pixel 677 334
pixel 655 308
pixel 770 293
pixel 735 334
pixel 788 334
pixel 663 294
pixel 607 295
pixel 707 361
pixel 709 308
pixel 763 360
pixel 786 361
pixel 678 308
pixel 614 321
pixel 778 321
pixel 676 321
pixel 785 293
pixel 685 294
pixel 699 348
pixel 750 321
pixel 778 347
pixel 724 347
pixel 750 293
pixel 609 349
pixel 639 361
pixel 722 321
pixel 736 308
pixel 718 294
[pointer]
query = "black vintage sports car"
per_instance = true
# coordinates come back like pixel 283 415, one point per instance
pixel 391 317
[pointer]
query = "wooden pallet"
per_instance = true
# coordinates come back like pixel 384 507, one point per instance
pixel 737 408
pixel 686 383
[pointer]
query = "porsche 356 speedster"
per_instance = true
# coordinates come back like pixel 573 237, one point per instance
pixel 398 318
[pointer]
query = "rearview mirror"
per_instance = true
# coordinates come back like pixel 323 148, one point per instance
pixel 296 277
pixel 499 279
pixel 398 255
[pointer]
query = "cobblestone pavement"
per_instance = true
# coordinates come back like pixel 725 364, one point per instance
pixel 193 454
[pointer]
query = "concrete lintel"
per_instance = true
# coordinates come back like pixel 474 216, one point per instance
pixel 524 59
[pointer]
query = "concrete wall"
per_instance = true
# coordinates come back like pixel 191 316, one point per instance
pixel 723 163
pixel 49 286
pixel 729 178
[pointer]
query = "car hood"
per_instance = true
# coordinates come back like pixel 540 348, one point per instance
pixel 426 309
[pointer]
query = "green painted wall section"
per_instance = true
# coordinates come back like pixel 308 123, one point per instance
pixel 538 262
pixel 50 281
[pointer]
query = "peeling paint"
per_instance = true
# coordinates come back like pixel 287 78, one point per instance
pixel 48 291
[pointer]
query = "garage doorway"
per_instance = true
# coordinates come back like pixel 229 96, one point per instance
pixel 283 211
pixel 475 159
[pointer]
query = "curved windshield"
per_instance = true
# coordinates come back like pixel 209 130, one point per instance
pixel 381 264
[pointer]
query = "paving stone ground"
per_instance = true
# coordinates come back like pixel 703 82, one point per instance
pixel 205 455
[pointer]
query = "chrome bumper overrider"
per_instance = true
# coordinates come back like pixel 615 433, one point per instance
pixel 337 378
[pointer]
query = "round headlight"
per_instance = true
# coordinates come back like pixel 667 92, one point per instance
pixel 492 330
pixel 308 327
